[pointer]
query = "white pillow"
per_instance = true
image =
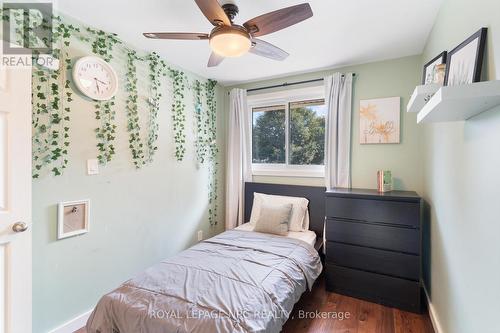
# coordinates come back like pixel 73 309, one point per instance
pixel 305 224
pixel 299 209
pixel 274 218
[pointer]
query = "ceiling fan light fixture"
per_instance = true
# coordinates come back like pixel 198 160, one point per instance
pixel 230 42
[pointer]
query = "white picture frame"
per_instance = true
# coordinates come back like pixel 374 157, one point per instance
pixel 380 120
pixel 68 224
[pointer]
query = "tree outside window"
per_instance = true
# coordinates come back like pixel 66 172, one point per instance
pixel 292 134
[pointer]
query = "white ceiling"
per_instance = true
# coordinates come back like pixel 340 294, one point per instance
pixel 341 32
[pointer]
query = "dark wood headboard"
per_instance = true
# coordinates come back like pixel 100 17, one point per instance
pixel 315 195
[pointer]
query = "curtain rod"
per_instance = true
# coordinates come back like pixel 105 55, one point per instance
pixel 286 84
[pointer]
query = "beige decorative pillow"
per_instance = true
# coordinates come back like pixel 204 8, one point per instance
pixel 298 221
pixel 273 218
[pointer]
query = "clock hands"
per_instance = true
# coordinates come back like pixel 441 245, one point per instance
pixel 106 83
pixel 95 78
pixel 97 84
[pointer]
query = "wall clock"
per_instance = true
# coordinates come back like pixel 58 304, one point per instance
pixel 95 78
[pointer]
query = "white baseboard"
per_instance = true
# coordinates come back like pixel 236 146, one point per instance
pixel 73 324
pixel 433 315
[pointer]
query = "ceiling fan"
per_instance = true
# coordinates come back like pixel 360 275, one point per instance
pixel 232 40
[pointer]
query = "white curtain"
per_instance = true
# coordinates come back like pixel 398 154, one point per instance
pixel 338 96
pixel 238 166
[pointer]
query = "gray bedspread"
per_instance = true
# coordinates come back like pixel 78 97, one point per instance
pixel 238 281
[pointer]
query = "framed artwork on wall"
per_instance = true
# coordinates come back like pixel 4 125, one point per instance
pixel 379 120
pixel 465 62
pixel 73 218
pixel 431 68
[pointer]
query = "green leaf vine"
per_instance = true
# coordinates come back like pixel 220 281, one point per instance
pixel 133 125
pixel 106 132
pixel 156 70
pixel 102 44
pixel 51 96
pixel 213 150
pixel 178 112
pixel 201 123
pixel 143 153
pixel 206 139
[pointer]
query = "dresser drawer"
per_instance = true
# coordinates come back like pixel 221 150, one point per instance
pixel 374 287
pixel 374 260
pixel 373 235
pixel 383 211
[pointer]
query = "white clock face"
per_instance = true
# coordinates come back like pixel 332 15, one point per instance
pixel 95 78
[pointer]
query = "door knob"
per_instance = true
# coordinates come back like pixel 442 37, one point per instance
pixel 19 227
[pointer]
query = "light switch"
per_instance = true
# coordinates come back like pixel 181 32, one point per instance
pixel 92 167
pixel 48 62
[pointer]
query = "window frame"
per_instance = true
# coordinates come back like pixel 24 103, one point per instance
pixel 284 97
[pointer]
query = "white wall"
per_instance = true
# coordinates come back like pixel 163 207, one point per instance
pixel 461 183
pixel 138 217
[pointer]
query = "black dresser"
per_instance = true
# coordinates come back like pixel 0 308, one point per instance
pixel 373 246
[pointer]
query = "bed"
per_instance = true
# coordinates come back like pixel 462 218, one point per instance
pixel 237 281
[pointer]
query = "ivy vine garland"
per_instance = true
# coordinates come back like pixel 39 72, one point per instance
pixel 212 117
pixel 213 150
pixel 156 68
pixel 201 123
pixel 102 45
pixel 133 126
pixel 51 95
pixel 206 139
pixel 178 112
pixel 106 133
pixel 143 153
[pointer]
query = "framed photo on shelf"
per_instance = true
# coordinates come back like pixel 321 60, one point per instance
pixel 465 62
pixel 430 68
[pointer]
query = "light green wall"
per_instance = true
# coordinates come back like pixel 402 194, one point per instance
pixel 138 217
pixel 389 78
pixel 461 184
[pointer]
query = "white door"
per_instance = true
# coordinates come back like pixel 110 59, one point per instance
pixel 15 199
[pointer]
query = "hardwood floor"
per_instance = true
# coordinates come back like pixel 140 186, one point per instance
pixel 364 317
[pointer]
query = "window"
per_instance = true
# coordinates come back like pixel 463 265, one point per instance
pixel 307 132
pixel 268 134
pixel 288 133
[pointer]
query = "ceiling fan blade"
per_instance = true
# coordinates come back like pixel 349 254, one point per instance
pixel 213 12
pixel 267 50
pixel 279 19
pixel 176 35
pixel 214 60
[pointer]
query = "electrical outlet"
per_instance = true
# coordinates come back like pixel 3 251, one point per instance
pixel 200 235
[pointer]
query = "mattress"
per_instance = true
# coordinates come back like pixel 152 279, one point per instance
pixel 306 236
pixel 235 282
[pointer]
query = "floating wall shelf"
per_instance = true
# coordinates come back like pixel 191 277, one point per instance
pixel 420 96
pixel 457 103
